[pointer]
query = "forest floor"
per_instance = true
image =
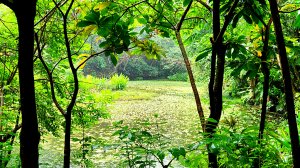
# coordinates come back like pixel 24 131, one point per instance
pixel 169 103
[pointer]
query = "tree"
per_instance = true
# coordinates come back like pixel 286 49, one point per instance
pixel 289 96
pixel 29 137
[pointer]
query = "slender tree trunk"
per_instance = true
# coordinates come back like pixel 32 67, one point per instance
pixel 68 116
pixel 217 73
pixel 266 72
pixel 289 97
pixel 210 127
pixel 67 147
pixel 30 136
pixel 192 80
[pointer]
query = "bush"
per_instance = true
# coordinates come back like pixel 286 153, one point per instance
pixel 178 77
pixel 119 82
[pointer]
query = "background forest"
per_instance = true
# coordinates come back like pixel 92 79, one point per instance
pixel 149 83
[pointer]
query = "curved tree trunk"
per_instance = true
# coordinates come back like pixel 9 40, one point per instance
pixel 289 97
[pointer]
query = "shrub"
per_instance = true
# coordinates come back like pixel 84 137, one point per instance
pixel 178 77
pixel 119 82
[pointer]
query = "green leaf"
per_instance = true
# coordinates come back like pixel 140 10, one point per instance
pixel 84 23
pixel 161 155
pixel 237 71
pixel 113 59
pixel 176 152
pixel 142 20
pixel 297 22
pixel 92 16
pixel 165 24
pixel 212 120
pixel 165 33
pixel 186 2
pixel 236 19
pixel 203 54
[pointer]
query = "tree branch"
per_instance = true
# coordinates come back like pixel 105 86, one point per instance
pixel 205 5
pixel 91 56
pixel 51 12
pixel 10 134
pixel 50 76
pixel 173 27
pixel 183 16
pixel 228 19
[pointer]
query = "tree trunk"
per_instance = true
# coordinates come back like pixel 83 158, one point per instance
pixel 210 127
pixel 266 72
pixel 29 136
pixel 67 147
pixel 289 97
pixel 217 73
pixel 68 116
pixel 192 80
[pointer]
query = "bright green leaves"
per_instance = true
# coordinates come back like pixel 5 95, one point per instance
pixel 149 48
pixel 118 30
pixel 113 30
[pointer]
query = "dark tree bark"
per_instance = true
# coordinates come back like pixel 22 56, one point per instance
pixel 266 73
pixel 289 96
pixel 217 73
pixel 29 136
pixel 68 114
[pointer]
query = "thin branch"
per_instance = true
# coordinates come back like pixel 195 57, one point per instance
pixel 172 25
pixel 61 59
pixel 91 56
pixel 58 7
pixel 183 16
pixel 50 76
pixel 49 14
pixel 205 5
pixel 228 19
pixel 10 134
pixel 7 28
pixel 129 7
